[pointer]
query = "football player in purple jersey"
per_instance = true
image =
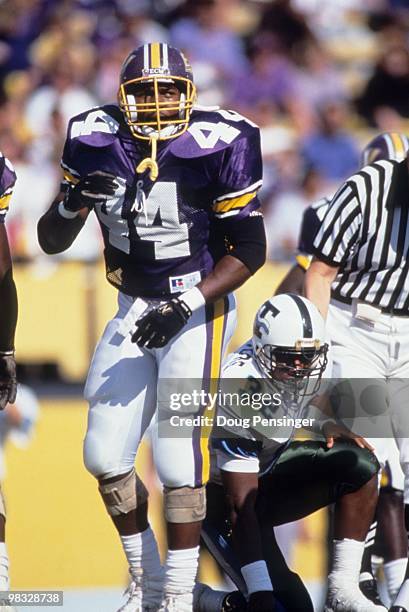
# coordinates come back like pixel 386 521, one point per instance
pixel 174 188
pixel 8 301
pixel 8 295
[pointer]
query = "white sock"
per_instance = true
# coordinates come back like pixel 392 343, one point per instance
pixel 4 568
pixel 180 570
pixel 256 577
pixel 394 575
pixel 347 559
pixel 141 550
pixel 403 595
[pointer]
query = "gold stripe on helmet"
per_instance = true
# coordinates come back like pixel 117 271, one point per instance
pixel 155 55
pixel 4 202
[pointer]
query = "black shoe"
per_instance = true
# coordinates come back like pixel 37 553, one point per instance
pixel 398 609
pixel 234 602
pixel 370 589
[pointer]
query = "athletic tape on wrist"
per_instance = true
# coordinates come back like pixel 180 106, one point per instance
pixel 194 299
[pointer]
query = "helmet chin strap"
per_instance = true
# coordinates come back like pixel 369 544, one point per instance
pixel 150 163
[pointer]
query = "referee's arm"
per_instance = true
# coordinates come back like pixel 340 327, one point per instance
pixel 317 284
pixel 337 235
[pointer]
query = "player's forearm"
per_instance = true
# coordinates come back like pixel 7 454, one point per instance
pixel 317 285
pixel 247 253
pixel 8 295
pixel 292 282
pixel 9 309
pixel 318 289
pixel 57 233
pixel 228 274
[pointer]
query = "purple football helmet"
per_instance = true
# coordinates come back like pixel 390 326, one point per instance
pixel 389 145
pixel 153 64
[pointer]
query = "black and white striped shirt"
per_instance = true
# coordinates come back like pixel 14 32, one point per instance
pixel 366 233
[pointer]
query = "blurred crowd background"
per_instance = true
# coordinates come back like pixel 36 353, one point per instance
pixel 320 77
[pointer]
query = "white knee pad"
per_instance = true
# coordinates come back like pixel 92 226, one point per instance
pixel 123 495
pixel 185 504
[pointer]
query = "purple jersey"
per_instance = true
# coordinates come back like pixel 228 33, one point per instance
pixel 7 180
pixel 163 237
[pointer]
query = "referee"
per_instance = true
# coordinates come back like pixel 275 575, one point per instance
pixel 359 277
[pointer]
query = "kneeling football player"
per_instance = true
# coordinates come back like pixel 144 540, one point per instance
pixel 268 479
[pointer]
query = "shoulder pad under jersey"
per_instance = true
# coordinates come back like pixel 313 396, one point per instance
pixel 97 127
pixel 7 175
pixel 241 363
pixel 212 130
pixel 7 180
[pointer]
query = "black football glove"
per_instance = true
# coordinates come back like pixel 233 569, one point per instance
pixel 8 380
pixel 261 601
pixel 155 329
pixel 90 189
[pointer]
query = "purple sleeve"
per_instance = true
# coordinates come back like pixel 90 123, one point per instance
pixel 240 177
pixel 7 181
pixel 68 164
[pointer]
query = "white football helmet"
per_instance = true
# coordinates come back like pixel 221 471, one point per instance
pixel 289 338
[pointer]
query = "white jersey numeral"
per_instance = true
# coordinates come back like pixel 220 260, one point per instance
pixel 233 116
pixel 208 134
pixel 170 237
pixel 97 121
pixel 118 231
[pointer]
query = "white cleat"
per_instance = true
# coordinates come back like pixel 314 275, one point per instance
pixel 143 595
pixel 349 599
pixel 5 586
pixel 181 602
pixel 5 608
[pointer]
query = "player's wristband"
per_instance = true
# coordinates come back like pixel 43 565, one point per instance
pixel 67 214
pixel 194 299
pixel 9 353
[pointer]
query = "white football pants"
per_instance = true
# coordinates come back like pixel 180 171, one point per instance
pixel 122 389
pixel 377 350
